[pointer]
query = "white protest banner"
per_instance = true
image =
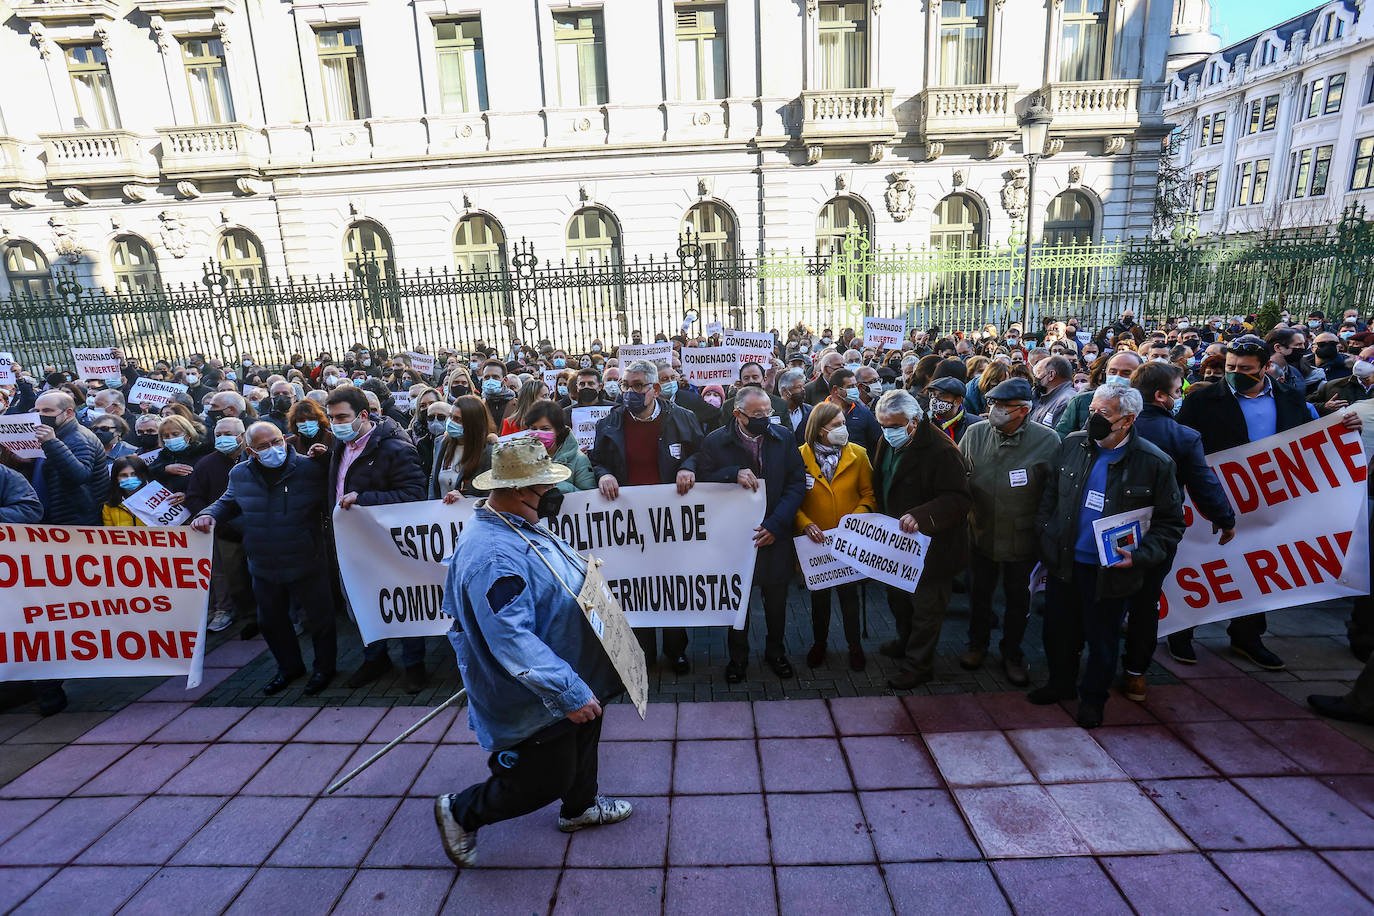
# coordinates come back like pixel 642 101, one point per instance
pixel 102 602
pixel 584 424
pixel 7 369
pixel 884 333
pixel 713 328
pixel 876 546
pixel 96 363
pixel 391 560
pixel 152 505
pixel 710 365
pixel 401 399
pixel 159 394
pixel 671 561
pixel 819 566
pixel 421 362
pixel 551 381
pixel 17 435
pixel 753 347
pixel 660 352
pixel 1039 577
pixel 1302 532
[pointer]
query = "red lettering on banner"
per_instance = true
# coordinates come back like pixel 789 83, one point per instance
pixel 1187 579
pixel 1327 560
pixel 1348 445
pixel 1293 469
pixel 1264 569
pixel 1264 476
pixel 1218 579
pixel 1315 443
pixel 1293 569
pixel 1236 478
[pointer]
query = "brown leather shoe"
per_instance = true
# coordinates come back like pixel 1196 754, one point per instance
pixel 1133 685
pixel 972 659
pixel 1016 672
pixel 816 657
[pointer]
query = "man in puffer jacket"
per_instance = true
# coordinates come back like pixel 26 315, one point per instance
pixel 72 477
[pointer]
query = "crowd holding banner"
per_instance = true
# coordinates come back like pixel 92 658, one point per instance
pixel 692 491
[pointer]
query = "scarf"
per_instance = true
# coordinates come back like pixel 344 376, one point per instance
pixel 948 425
pixel 828 457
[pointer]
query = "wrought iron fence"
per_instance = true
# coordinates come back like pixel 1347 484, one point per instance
pixel 572 304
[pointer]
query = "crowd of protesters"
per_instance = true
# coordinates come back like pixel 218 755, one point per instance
pixel 1002 445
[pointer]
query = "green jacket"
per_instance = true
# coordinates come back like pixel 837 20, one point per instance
pixel 570 456
pixel 1076 414
pixel 1009 475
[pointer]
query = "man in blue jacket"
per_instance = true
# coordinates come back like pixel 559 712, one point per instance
pixel 1161 387
pixel 750 450
pixel 279 499
pixel 18 502
pixel 863 426
pixel 72 477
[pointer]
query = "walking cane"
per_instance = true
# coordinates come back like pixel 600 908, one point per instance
pixel 460 695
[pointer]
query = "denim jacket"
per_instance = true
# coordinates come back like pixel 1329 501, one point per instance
pixel 534 659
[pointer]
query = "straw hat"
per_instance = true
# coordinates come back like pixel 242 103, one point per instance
pixel 521 461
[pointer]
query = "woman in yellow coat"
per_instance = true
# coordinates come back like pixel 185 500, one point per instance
pixel 839 480
pixel 127 475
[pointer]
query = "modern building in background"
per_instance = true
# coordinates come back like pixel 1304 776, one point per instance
pixel 139 139
pixel 1276 131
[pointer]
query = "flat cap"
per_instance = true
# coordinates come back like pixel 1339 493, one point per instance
pixel 1013 389
pixel 948 385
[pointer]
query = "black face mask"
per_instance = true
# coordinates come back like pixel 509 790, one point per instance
pixel 145 440
pixel 212 417
pixel 281 404
pixel 457 391
pixel 50 422
pixel 106 436
pixel 550 503
pixel 586 395
pixel 1098 427
pixel 1327 350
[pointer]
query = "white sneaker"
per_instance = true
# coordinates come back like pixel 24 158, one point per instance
pixel 604 811
pixel 460 844
pixel 221 621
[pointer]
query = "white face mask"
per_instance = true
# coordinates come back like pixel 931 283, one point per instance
pixel 838 437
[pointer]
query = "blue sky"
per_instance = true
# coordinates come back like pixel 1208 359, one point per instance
pixel 1234 20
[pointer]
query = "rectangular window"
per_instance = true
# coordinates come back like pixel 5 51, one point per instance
pixel 1245 175
pixel 90 72
pixel 844 45
pixel 963 42
pixel 1209 195
pixel 1083 41
pixel 1255 114
pixel 1204 136
pixel 580 48
pixel 342 73
pixel 1302 173
pixel 1314 97
pixel 1197 191
pixel 208 78
pixel 1362 176
pixel 701 52
pixel 1271 113
pixel 1335 88
pixel 1219 127
pixel 1261 181
pixel 462 67
pixel 1321 169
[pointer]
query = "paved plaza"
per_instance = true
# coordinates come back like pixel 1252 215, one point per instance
pixel 825 794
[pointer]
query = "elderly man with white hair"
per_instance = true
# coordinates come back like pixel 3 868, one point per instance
pixel 1103 470
pixel 921 478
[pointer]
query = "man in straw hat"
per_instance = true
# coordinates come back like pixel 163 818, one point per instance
pixel 531 664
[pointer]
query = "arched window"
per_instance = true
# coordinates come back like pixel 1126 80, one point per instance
pixel 593 236
pixel 958 224
pixel 1069 220
pixel 838 218
pixel 240 257
pixel 714 228
pixel 366 241
pixel 479 244
pixel 135 267
pixel 27 269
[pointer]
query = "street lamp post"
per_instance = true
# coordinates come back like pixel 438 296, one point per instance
pixel 1035 127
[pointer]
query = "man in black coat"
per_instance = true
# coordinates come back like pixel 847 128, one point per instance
pixel 230 583
pixel 818 389
pixel 671 386
pixel 749 450
pixel 374 463
pixel 587 392
pixel 278 500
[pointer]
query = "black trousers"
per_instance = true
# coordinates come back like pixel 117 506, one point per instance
pixel 311 593
pixel 775 621
pixel 556 763
pixel 674 642
pixel 1142 619
pixel 1073 616
pixel 983 571
pixel 849 611
pixel 1244 631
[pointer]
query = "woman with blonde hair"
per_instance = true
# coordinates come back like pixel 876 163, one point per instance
pixel 992 375
pixel 531 391
pixel 839 482
pixel 182 446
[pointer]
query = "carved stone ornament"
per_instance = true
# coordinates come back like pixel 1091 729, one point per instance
pixel 249 186
pixel 959 177
pixel 135 193
pixel 102 35
pixel 4 230
pixel 584 192
pixel 706 186
pixel 355 207
pixel 876 6
pixel 222 27
pixel 1113 145
pixel 1054 145
pixel 701 118
pixel 900 196
pixel 813 154
pixel 811 6
pixel 467 201
pixel 174 237
pixel 165 40
pixel 39 33
pixel 116 222
pixel 64 238
pixel 996 148
pixel 934 149
pixel 1014 193
pixel 24 199
pixel 841 181
pixel 187 190
pixel 75 196
pixel 876 151
pixel 1076 174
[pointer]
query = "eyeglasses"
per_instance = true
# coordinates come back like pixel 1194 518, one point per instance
pixel 1247 345
pixel 637 386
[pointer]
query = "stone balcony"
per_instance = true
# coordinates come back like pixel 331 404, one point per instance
pixel 212 149
pixel 97 157
pixel 1106 106
pixel 19 165
pixel 847 117
pixel 951 112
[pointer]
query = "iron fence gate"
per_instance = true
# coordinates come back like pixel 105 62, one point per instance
pixel 572 304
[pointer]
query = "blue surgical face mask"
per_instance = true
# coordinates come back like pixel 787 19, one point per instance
pixel 176 443
pixel 852 367
pixel 344 432
pixel 559 362
pixel 130 484
pixel 896 437
pixel 231 376
pixel 1117 381
pixel 851 395
pixel 436 427
pixel 562 391
pixel 226 444
pixel 453 430
pixel 1178 403
pixel 273 457
pixel 491 386
pixel 309 428
pixel 668 388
